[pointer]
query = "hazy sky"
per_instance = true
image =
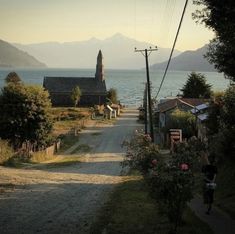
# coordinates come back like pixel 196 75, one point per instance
pixel 155 21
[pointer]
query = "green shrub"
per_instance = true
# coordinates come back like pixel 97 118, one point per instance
pixel 140 152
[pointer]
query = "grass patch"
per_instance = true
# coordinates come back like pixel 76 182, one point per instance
pixel 130 209
pixel 66 113
pixel 63 162
pixel 40 156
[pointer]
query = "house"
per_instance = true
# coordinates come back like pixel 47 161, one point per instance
pixel 167 106
pixel 93 88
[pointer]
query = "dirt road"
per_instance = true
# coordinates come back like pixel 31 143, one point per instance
pixel 65 199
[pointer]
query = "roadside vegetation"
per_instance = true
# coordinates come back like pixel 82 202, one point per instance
pixel 131 209
pixel 29 124
pixel 221 121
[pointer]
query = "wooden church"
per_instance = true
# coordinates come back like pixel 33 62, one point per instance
pixel 93 88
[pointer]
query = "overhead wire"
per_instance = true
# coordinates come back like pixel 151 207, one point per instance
pixel 173 47
pixel 167 18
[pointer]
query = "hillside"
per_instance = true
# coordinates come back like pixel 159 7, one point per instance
pixel 11 56
pixel 118 52
pixel 188 61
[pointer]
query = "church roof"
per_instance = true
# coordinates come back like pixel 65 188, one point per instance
pixel 88 85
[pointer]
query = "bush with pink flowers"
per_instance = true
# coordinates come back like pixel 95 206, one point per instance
pixel 171 181
pixel 141 153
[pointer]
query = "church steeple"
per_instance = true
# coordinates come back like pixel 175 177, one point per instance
pixel 99 75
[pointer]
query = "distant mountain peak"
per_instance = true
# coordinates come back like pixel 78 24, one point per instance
pixel 118 36
pixel 118 51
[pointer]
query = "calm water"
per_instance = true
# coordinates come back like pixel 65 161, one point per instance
pixel 129 83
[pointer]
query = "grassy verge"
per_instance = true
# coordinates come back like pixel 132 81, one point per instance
pixel 131 210
pixel 62 161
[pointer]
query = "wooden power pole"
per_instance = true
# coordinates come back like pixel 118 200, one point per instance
pixel 146 53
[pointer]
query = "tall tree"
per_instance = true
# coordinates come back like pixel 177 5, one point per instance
pixel 214 113
pixel 76 95
pixel 112 95
pixel 219 16
pixel 196 87
pixel 12 77
pixel 24 114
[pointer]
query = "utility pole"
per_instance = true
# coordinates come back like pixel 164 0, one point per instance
pixel 146 53
pixel 145 109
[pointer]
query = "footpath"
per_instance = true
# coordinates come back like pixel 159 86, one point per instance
pixel 219 221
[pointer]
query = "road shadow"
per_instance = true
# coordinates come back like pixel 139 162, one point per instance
pixel 51 207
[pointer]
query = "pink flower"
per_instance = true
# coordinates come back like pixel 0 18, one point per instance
pixel 184 167
pixel 154 162
pixel 148 137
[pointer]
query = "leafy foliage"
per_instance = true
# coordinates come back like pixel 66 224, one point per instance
pixel 214 113
pixel 112 95
pixel 12 77
pixel 76 95
pixel 221 125
pixel 140 152
pixel 219 16
pixel 196 87
pixel 6 152
pixel 172 180
pixel 182 120
pixel 25 114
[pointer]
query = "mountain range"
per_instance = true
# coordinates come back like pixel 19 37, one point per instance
pixel 10 56
pixel 118 52
pixel 191 60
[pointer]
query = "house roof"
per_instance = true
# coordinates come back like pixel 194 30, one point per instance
pixel 199 108
pixel 88 85
pixel 171 104
pixel 194 101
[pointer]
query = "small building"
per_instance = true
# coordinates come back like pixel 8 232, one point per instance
pixel 93 89
pixel 167 106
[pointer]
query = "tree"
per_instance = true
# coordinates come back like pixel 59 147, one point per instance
pixel 196 87
pixel 214 113
pixel 76 95
pixel 221 124
pixel 25 115
pixel 112 95
pixel 219 16
pixel 13 77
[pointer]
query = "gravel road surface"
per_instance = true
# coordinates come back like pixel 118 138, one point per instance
pixel 66 199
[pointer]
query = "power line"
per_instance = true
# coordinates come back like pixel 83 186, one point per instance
pixel 172 50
